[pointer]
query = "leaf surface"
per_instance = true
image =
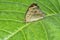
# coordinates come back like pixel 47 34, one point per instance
pixel 13 27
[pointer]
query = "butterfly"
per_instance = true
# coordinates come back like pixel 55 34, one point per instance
pixel 33 13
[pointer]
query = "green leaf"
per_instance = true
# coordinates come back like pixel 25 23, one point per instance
pixel 13 27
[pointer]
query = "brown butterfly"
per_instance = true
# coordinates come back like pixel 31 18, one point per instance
pixel 34 13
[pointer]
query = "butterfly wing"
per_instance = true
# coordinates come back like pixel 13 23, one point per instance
pixel 34 14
